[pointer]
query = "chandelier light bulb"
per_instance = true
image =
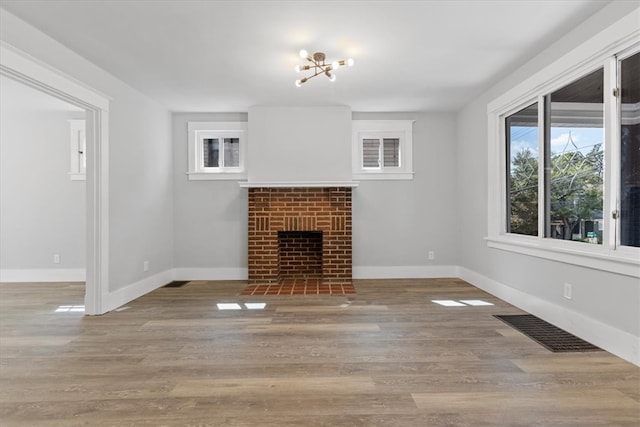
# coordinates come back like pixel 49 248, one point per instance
pixel 332 78
pixel 298 83
pixel 304 54
pixel 335 65
pixel 350 62
pixel 297 69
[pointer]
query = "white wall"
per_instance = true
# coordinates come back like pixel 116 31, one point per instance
pixel 210 217
pixel 299 144
pixel 605 306
pixel 395 223
pixel 42 212
pixel 140 164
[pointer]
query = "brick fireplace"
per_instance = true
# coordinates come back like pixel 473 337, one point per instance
pixel 300 232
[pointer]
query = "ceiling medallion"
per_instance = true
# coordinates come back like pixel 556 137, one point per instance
pixel 318 66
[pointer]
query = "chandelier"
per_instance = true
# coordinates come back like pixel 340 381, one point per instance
pixel 317 66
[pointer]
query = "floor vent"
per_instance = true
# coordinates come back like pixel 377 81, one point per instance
pixel 176 284
pixel 549 336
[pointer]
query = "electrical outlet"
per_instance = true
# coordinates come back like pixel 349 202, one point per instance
pixel 56 258
pixel 432 255
pixel 568 291
pixel 145 266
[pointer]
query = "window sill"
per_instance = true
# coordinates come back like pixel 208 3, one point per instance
pixel 624 260
pixel 216 176
pixel 73 176
pixel 384 176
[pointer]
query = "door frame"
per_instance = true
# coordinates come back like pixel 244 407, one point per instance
pixel 21 67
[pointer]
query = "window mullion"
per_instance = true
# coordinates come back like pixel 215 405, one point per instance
pixel 542 184
pixel 612 161
pixel 545 157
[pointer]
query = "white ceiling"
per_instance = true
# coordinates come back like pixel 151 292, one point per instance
pixel 228 55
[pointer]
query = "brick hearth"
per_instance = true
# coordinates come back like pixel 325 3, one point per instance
pixel 324 211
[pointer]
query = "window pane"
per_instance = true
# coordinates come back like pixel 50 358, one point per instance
pixel 574 160
pixel 211 153
pixel 522 171
pixel 391 148
pixel 630 151
pixel 231 152
pixel 371 153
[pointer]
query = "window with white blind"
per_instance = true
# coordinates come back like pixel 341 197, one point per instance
pixel 77 150
pixel 216 150
pixel 382 149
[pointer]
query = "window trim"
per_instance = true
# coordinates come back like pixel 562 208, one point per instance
pixel 623 36
pixel 383 129
pixel 220 130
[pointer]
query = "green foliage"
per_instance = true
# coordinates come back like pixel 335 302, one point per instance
pixel 576 190
pixel 524 193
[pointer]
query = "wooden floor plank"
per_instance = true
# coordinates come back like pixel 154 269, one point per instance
pixel 386 356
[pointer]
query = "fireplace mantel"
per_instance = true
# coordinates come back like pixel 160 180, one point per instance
pixel 298 184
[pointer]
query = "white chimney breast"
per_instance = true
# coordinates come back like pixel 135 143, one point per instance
pixel 299 144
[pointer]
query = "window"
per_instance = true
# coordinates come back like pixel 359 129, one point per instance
pixel 216 150
pixel 629 84
pixel 564 161
pixel 382 149
pixel 522 171
pixel 77 150
pixel 213 158
pixel 573 159
pixel 380 153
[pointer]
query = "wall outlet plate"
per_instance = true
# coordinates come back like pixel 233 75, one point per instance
pixel 568 290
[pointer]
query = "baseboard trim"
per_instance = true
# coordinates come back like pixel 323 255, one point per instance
pixel 210 274
pixel 43 275
pixel 613 340
pixel 135 290
pixel 404 272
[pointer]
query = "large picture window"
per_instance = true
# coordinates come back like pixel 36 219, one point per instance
pixel 564 164
pixel 573 157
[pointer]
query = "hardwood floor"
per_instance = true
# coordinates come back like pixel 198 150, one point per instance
pixel 386 356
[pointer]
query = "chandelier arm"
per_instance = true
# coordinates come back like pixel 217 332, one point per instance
pixel 317 64
pixel 319 69
pixel 317 73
